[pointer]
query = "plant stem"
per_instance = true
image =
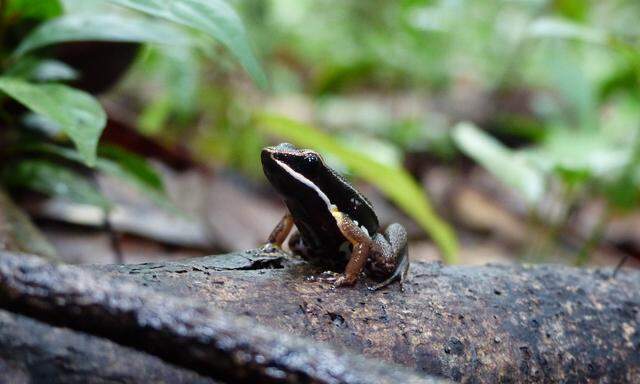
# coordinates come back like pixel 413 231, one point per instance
pixel 107 226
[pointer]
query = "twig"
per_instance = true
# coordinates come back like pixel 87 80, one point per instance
pixel 114 239
pixel 620 264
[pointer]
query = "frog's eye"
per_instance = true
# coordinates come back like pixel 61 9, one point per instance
pixel 309 163
pixel 312 158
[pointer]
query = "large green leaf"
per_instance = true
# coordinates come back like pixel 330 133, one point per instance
pixel 97 27
pixel 213 17
pixel 393 181
pixel 53 180
pixel 506 165
pixel 79 115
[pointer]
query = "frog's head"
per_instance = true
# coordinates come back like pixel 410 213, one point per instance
pixel 290 169
pixel 305 181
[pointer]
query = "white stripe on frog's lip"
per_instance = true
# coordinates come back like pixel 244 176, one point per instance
pixel 305 181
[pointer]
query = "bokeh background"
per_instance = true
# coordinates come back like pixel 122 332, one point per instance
pixel 495 131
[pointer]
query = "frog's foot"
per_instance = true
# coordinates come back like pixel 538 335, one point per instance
pixel 399 274
pixel 271 249
pixel 326 277
pixel 345 281
pixel 335 278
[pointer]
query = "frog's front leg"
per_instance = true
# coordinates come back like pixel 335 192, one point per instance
pixel 279 233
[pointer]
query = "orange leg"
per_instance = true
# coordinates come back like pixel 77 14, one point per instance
pixel 355 265
pixel 388 253
pixel 281 231
pixel 362 245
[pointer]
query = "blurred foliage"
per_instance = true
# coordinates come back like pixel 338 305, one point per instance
pixel 559 80
pixel 39 112
pixel 542 93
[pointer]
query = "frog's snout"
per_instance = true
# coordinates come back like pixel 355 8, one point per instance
pixel 265 155
pixel 281 148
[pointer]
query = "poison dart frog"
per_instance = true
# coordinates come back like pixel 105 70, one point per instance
pixel 337 226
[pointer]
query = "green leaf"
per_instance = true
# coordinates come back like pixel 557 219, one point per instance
pixel 623 194
pixel 34 9
pixel 142 176
pixel 506 165
pixel 393 181
pixel 154 116
pixel 213 17
pixel 79 115
pixel 596 153
pixel 564 29
pixel 133 165
pixel 177 70
pixel 53 180
pixel 567 74
pixel 107 27
pixel 180 71
pixel 41 70
pixel 121 164
pixel 19 233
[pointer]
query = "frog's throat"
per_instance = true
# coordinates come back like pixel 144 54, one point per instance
pixel 307 182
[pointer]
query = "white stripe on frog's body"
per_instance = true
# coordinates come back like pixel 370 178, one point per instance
pixel 307 182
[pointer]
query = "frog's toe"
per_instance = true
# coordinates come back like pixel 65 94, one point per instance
pixel 327 277
pixel 270 248
pixel 386 282
pixel 344 281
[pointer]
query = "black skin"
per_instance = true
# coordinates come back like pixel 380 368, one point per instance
pixel 337 226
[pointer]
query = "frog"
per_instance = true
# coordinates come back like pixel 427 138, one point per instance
pixel 337 226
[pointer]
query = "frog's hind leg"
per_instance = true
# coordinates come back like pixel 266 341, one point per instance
pixel 384 255
pixel 362 246
pixel 393 260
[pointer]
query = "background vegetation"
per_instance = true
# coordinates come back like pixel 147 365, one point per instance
pixel 542 94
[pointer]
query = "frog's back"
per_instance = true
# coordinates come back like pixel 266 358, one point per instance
pixel 349 200
pixel 323 240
